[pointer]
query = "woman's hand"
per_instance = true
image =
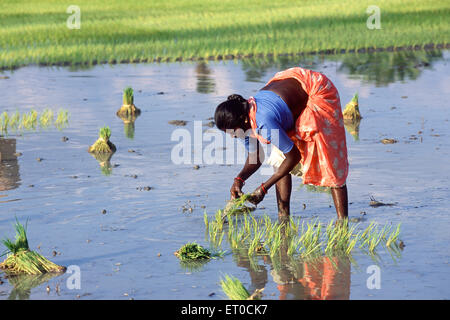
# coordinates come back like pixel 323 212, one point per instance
pixel 258 195
pixel 236 189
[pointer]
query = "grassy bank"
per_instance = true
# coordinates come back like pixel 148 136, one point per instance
pixel 114 30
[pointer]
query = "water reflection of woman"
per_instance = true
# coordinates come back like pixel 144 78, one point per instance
pixel 299 112
pixel 325 278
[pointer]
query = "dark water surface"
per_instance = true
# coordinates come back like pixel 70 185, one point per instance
pixel 402 96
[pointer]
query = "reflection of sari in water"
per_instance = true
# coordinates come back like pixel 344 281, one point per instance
pixel 327 279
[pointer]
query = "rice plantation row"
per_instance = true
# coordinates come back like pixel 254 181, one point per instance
pixel 37 33
pixel 307 240
pixel 32 120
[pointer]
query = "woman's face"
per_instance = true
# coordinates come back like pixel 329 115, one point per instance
pixel 236 133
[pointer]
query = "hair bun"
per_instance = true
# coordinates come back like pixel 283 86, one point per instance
pixel 236 97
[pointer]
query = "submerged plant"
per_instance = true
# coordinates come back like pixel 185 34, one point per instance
pixel 235 290
pixel 21 259
pixel 128 108
pixel 351 111
pixel 103 145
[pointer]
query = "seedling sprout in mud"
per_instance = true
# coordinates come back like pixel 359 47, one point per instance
pixel 128 109
pixel 21 260
pixel 103 145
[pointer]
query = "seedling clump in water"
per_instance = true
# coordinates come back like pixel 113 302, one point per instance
pixel 21 260
pixel 103 145
pixel 351 111
pixel 128 108
pixel 237 206
pixel 193 251
pixel 352 117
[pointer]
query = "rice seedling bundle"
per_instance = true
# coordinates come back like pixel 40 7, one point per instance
pixel 103 145
pixel 193 251
pixel 21 260
pixel 235 290
pixel 238 206
pixel 128 108
pixel 351 111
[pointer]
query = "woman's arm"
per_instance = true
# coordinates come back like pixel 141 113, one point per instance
pixel 292 159
pixel 252 164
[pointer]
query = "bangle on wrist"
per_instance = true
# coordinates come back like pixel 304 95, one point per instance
pixel 263 188
pixel 240 179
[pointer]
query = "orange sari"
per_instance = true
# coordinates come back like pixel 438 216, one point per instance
pixel 319 131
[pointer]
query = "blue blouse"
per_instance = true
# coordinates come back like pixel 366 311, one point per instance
pixel 273 120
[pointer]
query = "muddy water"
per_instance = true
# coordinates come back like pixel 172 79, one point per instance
pixel 127 252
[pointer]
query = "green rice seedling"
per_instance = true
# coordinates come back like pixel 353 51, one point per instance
pixel 205 220
pixel 235 290
pixel 14 120
pixel 46 118
pixel 237 206
pixel 393 237
pixel 21 260
pixel 29 120
pixel 4 120
pixel 192 251
pixel 256 243
pixel 294 244
pixel 62 119
pixel 103 145
pixel 351 111
pixel 310 240
pixel 128 108
pixel 375 239
pixel 128 97
pixel 340 238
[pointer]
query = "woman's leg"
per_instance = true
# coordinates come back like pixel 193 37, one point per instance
pixel 340 199
pixel 283 189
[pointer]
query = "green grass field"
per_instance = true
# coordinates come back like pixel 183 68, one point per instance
pixel 133 30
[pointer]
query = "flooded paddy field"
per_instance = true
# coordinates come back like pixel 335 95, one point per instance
pixel 121 223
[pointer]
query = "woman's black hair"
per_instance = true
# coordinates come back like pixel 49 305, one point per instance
pixel 232 113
